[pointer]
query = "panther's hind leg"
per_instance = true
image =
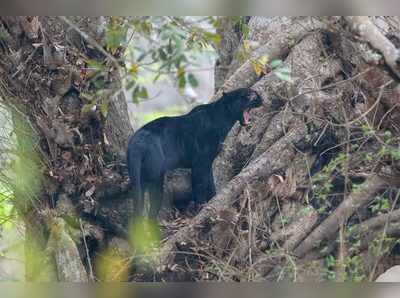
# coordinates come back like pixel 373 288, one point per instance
pixel 156 197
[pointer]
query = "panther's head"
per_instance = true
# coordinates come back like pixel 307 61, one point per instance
pixel 241 102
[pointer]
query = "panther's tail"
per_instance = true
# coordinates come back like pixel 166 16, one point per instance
pixel 136 199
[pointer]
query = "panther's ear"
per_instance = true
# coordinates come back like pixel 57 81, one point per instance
pixel 253 95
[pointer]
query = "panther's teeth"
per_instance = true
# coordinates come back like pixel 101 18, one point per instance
pixel 246 117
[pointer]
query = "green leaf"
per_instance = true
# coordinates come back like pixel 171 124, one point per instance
pixel 284 69
pixel 284 76
pixel 263 60
pixel 163 55
pixel 257 67
pixel 130 85
pixel 213 37
pixel 395 153
pixel 87 107
pixel 104 107
pixel 181 82
pixel 245 28
pixel 178 44
pixel 94 65
pixel 170 49
pixel 86 96
pixel 135 97
pixel 275 63
pixel 154 55
pixel 192 80
pixel 143 93
pixel 115 36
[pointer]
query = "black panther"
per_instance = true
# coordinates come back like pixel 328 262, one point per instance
pixel 190 141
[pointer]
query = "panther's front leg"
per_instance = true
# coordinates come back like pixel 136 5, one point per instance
pixel 203 186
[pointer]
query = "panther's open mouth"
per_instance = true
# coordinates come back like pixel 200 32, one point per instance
pixel 246 117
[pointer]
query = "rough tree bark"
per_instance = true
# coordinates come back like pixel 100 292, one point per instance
pixel 230 40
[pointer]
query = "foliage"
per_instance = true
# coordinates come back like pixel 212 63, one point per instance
pixel 322 182
pixel 20 175
pixel 144 235
pixel 153 49
pixel 380 205
pixel 7 211
pixel 166 46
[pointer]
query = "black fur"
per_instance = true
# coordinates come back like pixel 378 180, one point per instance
pixel 189 141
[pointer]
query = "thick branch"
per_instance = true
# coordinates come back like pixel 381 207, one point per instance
pixel 363 26
pixel 299 229
pixel 282 35
pixel 377 222
pixel 331 225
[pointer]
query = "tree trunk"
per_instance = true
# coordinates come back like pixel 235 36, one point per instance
pixel 43 69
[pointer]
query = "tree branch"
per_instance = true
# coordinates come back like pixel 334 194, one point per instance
pixel 328 228
pixel 364 27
